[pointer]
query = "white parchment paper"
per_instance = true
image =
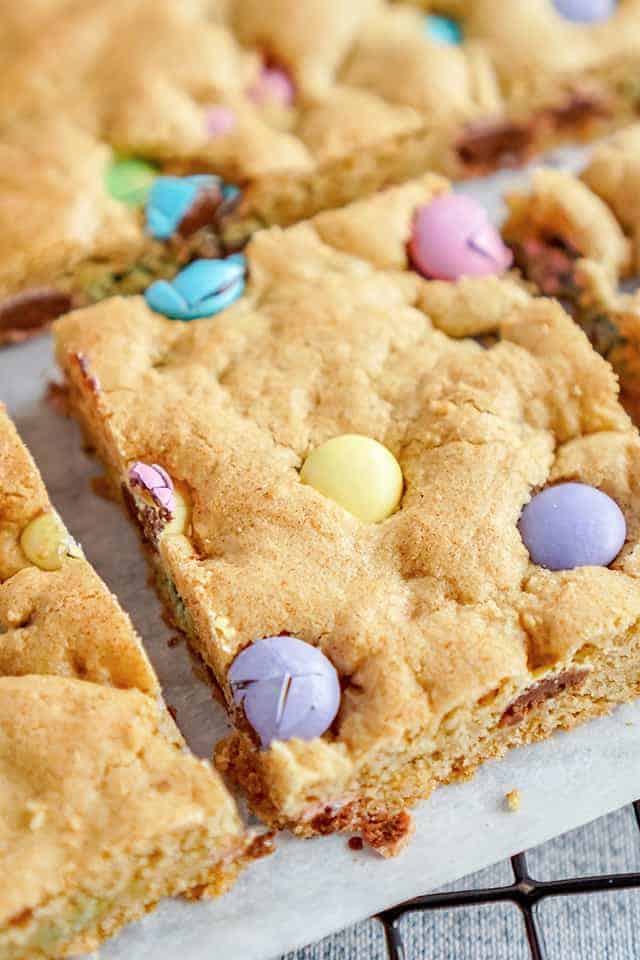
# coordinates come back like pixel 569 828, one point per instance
pixel 309 889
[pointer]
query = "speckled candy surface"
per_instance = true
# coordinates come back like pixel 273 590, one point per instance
pixel 585 11
pixel 572 525
pixel 275 86
pixel 170 199
pixel 443 29
pixel 288 688
pixel 202 289
pixel 129 180
pixel 359 473
pixel 453 237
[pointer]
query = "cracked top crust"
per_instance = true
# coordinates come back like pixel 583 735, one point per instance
pixel 436 607
pixel 71 755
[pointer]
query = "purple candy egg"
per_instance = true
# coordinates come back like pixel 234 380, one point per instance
pixel 156 482
pixel 288 688
pixel 572 525
pixel 585 11
pixel 453 237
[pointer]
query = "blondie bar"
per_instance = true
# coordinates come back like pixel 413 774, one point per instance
pixel 303 104
pixel 576 238
pixel 102 810
pixel 344 481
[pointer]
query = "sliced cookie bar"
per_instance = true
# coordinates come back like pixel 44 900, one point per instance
pixel 102 809
pixel 331 471
pixel 302 106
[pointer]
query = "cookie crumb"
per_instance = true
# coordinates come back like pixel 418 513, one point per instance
pixel 512 800
pixel 355 843
pixel 57 398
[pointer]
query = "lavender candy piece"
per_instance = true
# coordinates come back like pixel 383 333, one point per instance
pixel 288 688
pixel 585 11
pixel 572 525
pixel 154 480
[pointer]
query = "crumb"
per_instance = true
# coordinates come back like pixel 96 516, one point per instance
pixel 174 640
pixel 57 397
pixel 629 723
pixel 101 487
pixel 355 843
pixel 512 800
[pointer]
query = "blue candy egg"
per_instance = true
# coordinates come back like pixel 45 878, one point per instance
pixel 202 289
pixel 572 525
pixel 171 198
pixel 443 29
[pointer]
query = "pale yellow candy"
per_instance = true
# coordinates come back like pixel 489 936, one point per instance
pixel 179 521
pixel 45 542
pixel 358 473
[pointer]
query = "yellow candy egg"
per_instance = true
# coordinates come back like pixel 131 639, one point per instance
pixel 358 473
pixel 181 516
pixel 45 542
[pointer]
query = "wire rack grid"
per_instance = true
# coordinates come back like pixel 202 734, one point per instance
pixel 525 892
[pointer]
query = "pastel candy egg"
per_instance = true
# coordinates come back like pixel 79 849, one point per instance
pixel 585 11
pixel 219 120
pixel 443 30
pixel 288 688
pixel 452 237
pixel 358 473
pixel 202 289
pixel 45 542
pixel 129 180
pixel 171 198
pixel 273 86
pixel 572 525
pixel 181 516
pixel 154 481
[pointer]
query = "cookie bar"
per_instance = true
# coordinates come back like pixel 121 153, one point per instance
pixel 341 458
pixel 73 227
pixel 305 106
pixel 574 238
pixel 102 810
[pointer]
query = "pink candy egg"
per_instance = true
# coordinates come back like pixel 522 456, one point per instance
pixel 274 85
pixel 452 237
pixel 219 120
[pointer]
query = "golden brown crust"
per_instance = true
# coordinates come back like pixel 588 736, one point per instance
pixel 81 728
pixel 435 618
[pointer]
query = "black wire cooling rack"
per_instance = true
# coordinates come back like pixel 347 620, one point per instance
pixel 525 892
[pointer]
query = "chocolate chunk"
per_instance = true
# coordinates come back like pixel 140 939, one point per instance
pixel 356 843
pixel 25 314
pixel 578 109
pixel 488 145
pixel 548 260
pixel 544 690
pixel 151 520
pixel 202 212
